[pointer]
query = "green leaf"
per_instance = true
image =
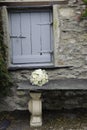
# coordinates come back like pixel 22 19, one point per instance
pixel 85 1
pixel 84 14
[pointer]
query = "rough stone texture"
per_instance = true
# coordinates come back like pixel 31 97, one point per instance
pixel 25 0
pixel 59 84
pixel 65 99
pixel 72 59
pixel 67 12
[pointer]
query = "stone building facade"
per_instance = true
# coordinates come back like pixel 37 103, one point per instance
pixel 70 50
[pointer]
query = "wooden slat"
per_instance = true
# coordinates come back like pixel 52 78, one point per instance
pixel 31 59
pixel 25 31
pixel 34 3
pixel 35 32
pixel 15 31
pixel 45 32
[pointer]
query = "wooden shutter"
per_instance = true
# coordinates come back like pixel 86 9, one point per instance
pixel 31 37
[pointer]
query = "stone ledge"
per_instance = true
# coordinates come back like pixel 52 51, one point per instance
pixel 27 3
pixel 60 84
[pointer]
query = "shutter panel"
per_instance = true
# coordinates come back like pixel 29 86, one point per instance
pixel 41 36
pixel 20 36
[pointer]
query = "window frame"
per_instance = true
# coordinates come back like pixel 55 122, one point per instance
pixel 56 35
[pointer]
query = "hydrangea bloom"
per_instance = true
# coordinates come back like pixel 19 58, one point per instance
pixel 39 77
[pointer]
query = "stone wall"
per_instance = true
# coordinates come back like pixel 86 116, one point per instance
pixel 72 61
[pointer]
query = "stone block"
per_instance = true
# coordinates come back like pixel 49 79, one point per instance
pixel 66 12
pixel 86 60
pixel 21 93
pixel 84 50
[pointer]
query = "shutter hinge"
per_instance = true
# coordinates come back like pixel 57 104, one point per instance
pixel 17 37
pixel 50 51
pixel 45 23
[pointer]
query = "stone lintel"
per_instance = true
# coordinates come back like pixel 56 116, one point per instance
pixel 33 3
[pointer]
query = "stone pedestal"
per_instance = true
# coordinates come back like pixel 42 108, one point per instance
pixel 35 108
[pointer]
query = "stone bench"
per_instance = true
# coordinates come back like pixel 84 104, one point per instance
pixel 35 103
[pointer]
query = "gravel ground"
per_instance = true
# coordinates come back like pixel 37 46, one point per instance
pixel 52 120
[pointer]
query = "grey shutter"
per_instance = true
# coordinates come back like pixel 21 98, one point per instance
pixel 41 36
pixel 30 36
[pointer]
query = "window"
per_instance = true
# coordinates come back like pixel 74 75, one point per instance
pixel 31 37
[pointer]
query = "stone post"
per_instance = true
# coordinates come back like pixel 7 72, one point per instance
pixel 35 108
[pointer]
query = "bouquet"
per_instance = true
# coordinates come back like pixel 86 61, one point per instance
pixel 39 77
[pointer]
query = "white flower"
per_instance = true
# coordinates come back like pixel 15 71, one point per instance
pixel 39 77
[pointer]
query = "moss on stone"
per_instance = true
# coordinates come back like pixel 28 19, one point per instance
pixel 5 81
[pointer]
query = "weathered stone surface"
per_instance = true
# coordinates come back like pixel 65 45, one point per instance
pixel 20 93
pixel 71 57
pixel 66 12
pixel 25 0
pixel 59 84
